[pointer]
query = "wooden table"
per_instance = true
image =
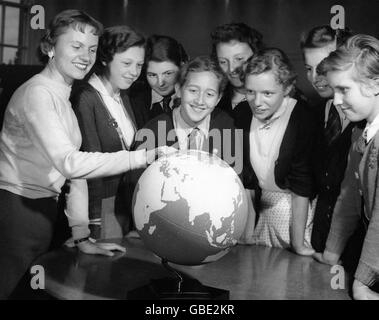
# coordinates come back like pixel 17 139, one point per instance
pixel 248 272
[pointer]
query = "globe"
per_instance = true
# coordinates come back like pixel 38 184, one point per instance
pixel 190 207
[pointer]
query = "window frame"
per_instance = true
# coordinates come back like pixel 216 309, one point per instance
pixel 23 30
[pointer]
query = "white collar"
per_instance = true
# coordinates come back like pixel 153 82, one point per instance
pixel 182 125
pixel 156 97
pixel 371 129
pixel 287 101
pixel 98 84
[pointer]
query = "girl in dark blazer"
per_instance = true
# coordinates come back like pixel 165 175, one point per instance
pixel 173 129
pixel 334 134
pixel 353 73
pixel 200 88
pixel 155 93
pixel 108 124
pixel 278 147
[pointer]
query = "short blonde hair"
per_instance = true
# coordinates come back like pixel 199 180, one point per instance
pixel 360 52
pixel 75 19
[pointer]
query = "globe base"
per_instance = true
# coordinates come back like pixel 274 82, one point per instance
pixel 173 289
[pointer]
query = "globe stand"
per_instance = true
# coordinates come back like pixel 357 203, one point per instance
pixel 179 287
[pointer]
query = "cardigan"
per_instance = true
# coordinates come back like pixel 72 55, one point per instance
pixel 331 159
pixel 219 120
pixel 140 99
pixel 239 113
pixel 329 164
pixel 242 113
pixel 293 166
pixel 99 135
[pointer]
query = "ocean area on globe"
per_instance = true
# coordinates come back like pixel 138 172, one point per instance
pixel 190 207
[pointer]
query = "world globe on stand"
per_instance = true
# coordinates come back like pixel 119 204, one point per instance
pixel 190 207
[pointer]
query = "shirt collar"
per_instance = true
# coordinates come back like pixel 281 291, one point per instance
pixel 156 97
pixel 182 125
pixel 371 129
pixel 282 109
pixel 96 82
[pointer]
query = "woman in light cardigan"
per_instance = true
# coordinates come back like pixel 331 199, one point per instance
pixel 39 150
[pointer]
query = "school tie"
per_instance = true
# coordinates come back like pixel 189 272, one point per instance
pixel 166 104
pixel 193 139
pixel 333 126
pixel 361 143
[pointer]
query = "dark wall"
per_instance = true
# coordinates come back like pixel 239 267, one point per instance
pixel 11 78
pixel 190 21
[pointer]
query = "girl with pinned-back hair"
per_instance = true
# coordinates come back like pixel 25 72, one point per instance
pixel 334 136
pixel 156 93
pixel 39 151
pixel 75 19
pixel 240 32
pixel 233 44
pixel 352 72
pixel 278 148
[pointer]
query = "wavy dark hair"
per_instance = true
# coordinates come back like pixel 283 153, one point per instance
pixel 161 48
pixel 275 60
pixel 236 31
pixel 114 40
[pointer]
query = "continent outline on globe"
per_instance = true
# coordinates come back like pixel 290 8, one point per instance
pixel 190 207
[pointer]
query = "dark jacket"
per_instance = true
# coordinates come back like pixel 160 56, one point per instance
pixel 293 167
pixel 98 135
pixel 140 99
pixel 329 164
pixel 360 184
pixel 219 121
pixel 240 113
